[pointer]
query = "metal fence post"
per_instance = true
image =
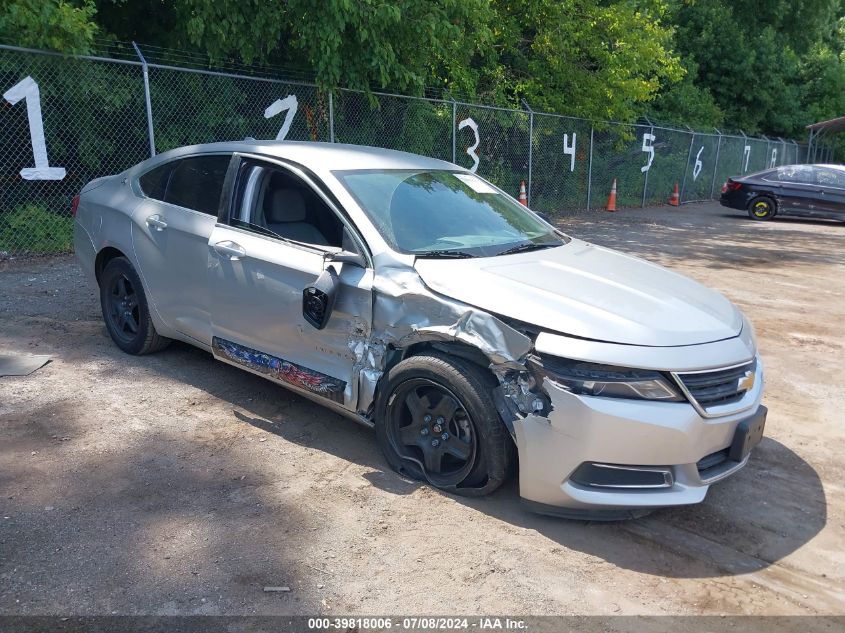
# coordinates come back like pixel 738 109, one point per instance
pixel 716 164
pixel 331 117
pixel 742 152
pixel 590 169
pixel 147 98
pixel 454 128
pixel 686 167
pixel 530 145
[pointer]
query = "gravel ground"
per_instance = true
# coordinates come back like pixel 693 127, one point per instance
pixel 173 484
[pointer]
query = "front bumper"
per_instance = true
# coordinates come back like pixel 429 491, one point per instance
pixel 644 433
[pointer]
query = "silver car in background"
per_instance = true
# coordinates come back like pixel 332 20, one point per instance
pixel 413 296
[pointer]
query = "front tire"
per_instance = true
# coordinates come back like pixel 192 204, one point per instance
pixel 762 208
pixel 436 422
pixel 125 310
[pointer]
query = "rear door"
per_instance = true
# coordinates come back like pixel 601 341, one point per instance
pixel 171 229
pixel 265 251
pixel 831 188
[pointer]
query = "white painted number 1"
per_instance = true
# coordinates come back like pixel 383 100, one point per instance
pixel 290 104
pixel 471 149
pixel 697 168
pixel 648 148
pixel 27 89
pixel 747 153
pixel 569 149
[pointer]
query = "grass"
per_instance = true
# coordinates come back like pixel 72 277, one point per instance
pixel 34 229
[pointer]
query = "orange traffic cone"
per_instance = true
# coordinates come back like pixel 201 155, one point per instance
pixel 675 198
pixel 611 199
pixel 523 197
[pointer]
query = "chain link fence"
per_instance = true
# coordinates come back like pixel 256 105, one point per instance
pixel 66 120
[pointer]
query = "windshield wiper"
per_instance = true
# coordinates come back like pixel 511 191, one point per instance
pixel 523 248
pixel 444 254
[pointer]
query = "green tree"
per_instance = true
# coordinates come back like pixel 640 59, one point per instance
pixel 53 24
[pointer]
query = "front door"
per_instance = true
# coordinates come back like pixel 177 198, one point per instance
pixel 268 249
pixel 170 232
pixel 831 200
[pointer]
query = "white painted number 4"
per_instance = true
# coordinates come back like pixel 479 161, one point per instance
pixel 27 89
pixel 290 104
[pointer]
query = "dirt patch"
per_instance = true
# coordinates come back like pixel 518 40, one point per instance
pixel 173 484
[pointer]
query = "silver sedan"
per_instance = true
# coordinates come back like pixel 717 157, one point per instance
pixel 413 296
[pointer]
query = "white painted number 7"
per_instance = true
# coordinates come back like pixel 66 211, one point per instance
pixel 27 89
pixel 290 104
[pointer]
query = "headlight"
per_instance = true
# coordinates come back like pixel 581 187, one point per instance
pixel 608 381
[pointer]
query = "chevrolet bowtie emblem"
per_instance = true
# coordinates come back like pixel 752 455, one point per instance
pixel 746 382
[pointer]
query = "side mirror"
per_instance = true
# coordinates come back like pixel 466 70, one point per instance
pixel 318 298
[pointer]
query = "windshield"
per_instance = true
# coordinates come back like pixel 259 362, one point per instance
pixel 433 213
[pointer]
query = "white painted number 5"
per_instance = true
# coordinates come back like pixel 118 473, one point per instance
pixel 27 89
pixel 471 149
pixel 648 148
pixel 290 104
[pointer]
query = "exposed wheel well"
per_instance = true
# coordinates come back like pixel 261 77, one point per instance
pixel 103 258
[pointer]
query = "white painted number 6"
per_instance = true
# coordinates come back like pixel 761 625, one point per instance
pixel 471 149
pixel 697 168
pixel 290 104
pixel 648 148
pixel 27 89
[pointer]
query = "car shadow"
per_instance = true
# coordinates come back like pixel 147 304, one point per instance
pixel 752 520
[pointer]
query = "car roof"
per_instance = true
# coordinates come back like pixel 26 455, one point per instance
pixel 318 156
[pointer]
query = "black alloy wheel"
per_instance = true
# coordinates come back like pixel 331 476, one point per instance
pixel 429 426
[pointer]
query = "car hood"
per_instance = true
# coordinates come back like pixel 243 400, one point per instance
pixel 590 292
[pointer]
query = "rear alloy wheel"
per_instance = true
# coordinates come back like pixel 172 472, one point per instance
pixel 125 310
pixel 436 423
pixel 762 208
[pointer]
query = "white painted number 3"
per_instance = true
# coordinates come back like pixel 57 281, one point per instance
pixel 471 149
pixel 27 89
pixel 648 148
pixel 290 104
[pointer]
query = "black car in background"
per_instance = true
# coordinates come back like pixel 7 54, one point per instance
pixel 816 191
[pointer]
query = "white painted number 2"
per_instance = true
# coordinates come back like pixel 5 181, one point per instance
pixel 290 104
pixel 648 148
pixel 471 149
pixel 569 149
pixel 747 153
pixel 697 168
pixel 27 89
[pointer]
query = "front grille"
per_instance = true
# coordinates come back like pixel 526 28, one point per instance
pixel 723 386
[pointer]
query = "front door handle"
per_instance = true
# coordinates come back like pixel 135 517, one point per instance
pixel 156 222
pixel 230 249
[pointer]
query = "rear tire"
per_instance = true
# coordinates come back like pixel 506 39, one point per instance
pixel 762 208
pixel 125 310
pixel 436 422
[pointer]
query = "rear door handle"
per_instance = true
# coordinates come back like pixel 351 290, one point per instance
pixel 230 249
pixel 156 222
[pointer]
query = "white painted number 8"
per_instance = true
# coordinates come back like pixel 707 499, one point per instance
pixel 290 104
pixel 471 149
pixel 27 89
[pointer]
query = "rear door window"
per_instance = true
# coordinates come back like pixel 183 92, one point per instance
pixel 194 183
pixel 801 174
